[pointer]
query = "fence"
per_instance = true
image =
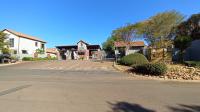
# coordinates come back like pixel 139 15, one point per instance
pixel 159 55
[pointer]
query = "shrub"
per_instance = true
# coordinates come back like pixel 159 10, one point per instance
pixel 38 59
pixel 6 51
pixel 27 59
pixel 151 69
pixel 40 51
pixel 133 59
pixel 193 63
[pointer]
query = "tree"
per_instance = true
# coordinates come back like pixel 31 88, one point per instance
pixel 108 46
pixel 3 44
pixel 186 32
pixel 126 33
pixel 40 51
pixel 158 29
pixel 190 28
pixel 182 42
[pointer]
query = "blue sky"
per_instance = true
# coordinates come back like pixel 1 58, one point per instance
pixel 63 22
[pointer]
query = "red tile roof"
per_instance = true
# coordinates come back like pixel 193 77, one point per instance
pixel 52 50
pixel 134 44
pixel 24 35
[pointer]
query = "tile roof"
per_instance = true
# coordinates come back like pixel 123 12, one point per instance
pixel 24 35
pixel 134 44
pixel 51 50
pixel 83 42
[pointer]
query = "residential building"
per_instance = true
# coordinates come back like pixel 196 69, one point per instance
pixel 81 50
pixel 126 48
pixel 23 45
pixel 52 52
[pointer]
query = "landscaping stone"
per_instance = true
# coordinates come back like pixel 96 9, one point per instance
pixel 183 72
pixel 175 72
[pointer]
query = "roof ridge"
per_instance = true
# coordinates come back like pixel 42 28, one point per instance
pixel 24 35
pixel 83 42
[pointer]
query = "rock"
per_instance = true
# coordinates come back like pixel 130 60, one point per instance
pixel 174 77
pixel 162 76
pixel 190 68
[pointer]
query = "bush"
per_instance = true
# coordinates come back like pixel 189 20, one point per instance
pixel 193 63
pixel 28 59
pixel 38 59
pixel 6 51
pixel 133 59
pixel 151 69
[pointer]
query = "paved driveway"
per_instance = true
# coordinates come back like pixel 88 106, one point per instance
pixel 67 65
pixel 84 86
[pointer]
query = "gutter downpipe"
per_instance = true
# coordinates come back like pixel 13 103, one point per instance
pixel 18 47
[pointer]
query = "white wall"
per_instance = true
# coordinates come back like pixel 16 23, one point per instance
pixel 16 39
pixel 23 44
pixel 29 45
pixel 133 50
pixel 52 55
pixel 83 47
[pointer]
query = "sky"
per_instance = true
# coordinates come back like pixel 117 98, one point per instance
pixel 65 22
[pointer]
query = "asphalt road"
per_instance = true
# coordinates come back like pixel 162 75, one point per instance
pixel 28 87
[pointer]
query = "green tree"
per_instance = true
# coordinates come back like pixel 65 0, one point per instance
pixel 182 42
pixel 3 44
pixel 126 33
pixel 40 51
pixel 108 46
pixel 158 29
pixel 190 28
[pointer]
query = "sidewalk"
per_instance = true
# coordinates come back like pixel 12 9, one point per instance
pixel 8 64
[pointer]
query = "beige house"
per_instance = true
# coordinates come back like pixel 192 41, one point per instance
pixel 126 48
pixel 52 52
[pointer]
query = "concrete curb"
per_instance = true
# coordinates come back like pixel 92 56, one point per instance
pixel 9 64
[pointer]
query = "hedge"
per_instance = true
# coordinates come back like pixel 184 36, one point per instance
pixel 155 69
pixel 133 59
pixel 193 63
pixel 27 59
pixel 37 59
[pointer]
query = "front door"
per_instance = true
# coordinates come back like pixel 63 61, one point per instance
pixel 63 56
pixel 72 55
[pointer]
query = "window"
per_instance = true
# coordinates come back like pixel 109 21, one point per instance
pixel 15 52
pixel 24 52
pixel 36 44
pixel 11 42
pixel 81 53
pixel 42 46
